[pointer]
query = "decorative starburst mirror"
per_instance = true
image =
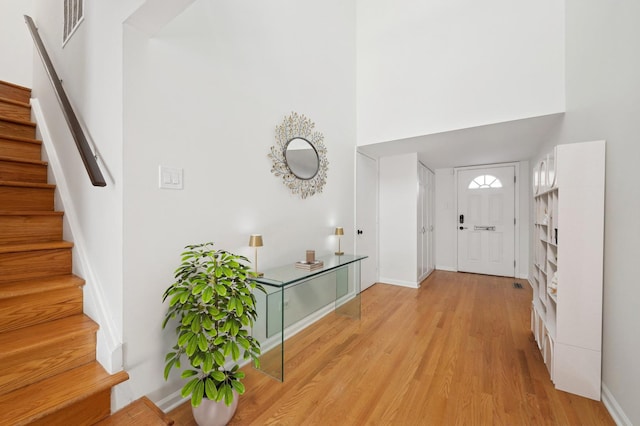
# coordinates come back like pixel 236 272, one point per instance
pixel 299 156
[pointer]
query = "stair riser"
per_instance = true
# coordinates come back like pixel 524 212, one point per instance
pixel 19 149
pixel 17 112
pixel 23 172
pixel 19 94
pixel 24 311
pixel 46 360
pixel 34 264
pixel 30 229
pixel 87 411
pixel 21 130
pixel 25 199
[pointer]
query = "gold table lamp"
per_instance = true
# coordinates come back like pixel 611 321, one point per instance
pixel 255 241
pixel 339 232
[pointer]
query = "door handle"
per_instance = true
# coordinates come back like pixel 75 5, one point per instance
pixel 463 227
pixel 359 231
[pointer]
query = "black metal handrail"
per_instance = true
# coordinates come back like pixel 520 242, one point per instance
pixel 88 158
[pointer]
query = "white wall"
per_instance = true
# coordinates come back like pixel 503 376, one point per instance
pixel 398 204
pixel 603 102
pixel 90 66
pixel 205 95
pixel 446 220
pixel 426 67
pixel 16 43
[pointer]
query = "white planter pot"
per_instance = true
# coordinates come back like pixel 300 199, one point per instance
pixel 211 413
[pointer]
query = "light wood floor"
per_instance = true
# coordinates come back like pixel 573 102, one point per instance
pixel 456 351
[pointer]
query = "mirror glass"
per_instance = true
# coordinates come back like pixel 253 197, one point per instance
pixel 302 158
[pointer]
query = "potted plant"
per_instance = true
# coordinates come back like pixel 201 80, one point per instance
pixel 214 305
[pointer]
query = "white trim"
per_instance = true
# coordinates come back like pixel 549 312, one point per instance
pixel 109 345
pixel 614 408
pixel 402 283
pixel 516 211
pixel 446 268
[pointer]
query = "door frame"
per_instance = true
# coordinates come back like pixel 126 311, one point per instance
pixel 375 257
pixel 516 210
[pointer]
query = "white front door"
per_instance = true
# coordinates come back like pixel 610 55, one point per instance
pixel 486 220
pixel 366 218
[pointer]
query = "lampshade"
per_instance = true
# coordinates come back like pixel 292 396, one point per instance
pixel 339 231
pixel 255 240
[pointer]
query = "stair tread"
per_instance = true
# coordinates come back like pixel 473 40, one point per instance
pixel 47 245
pixel 16 86
pixel 31 213
pixel 14 102
pixel 21 139
pixel 40 399
pixel 18 121
pixel 23 160
pixel 38 285
pixel 29 338
pixel 26 184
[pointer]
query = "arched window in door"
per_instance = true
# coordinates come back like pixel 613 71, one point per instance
pixel 485 182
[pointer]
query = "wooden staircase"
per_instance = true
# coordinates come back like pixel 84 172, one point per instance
pixel 48 369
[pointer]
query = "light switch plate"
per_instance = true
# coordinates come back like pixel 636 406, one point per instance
pixel 170 177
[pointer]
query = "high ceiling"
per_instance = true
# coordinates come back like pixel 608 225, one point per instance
pixel 516 140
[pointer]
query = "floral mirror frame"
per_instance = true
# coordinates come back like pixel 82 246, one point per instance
pixel 293 128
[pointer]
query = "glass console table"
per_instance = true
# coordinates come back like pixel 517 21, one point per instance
pixel 296 297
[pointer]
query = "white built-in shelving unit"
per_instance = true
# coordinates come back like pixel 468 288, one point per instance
pixel 567 275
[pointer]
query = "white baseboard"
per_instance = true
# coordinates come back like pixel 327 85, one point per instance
pixel 446 268
pixel 109 345
pixel 401 283
pixel 614 408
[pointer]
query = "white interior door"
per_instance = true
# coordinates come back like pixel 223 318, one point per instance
pixel 367 218
pixel 486 220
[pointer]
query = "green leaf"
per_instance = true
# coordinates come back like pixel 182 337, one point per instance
pixel 167 368
pixel 227 348
pixel 188 373
pixel 183 339
pixel 198 393
pixel 175 299
pixel 243 342
pixel 203 344
pixel 207 323
pixel 192 345
pixel 210 389
pixel 207 365
pixel 207 294
pixel 235 351
pixel 239 387
pixel 234 329
pixel 239 308
pixel 232 304
pixel 218 376
pixel 195 325
pixel 228 395
pixel 169 356
pixel 221 290
pixel 188 388
pixel 218 357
